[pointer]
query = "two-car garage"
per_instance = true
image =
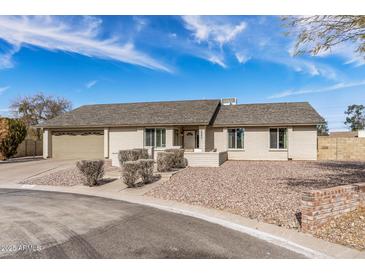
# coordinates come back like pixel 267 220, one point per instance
pixel 86 144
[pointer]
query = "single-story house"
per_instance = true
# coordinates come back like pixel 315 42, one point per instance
pixel 209 131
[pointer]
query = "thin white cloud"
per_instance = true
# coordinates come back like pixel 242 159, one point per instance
pixel 212 33
pixel 335 87
pixel 81 37
pixel 206 29
pixel 6 58
pixel 141 23
pixel 242 58
pixel 245 40
pixel 91 84
pixel 217 60
pixel 312 68
pixel 347 52
pixel 3 89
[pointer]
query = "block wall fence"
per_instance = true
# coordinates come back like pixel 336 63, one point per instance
pixel 341 149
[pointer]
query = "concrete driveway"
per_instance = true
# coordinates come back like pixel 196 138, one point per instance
pixel 13 172
pixel 37 224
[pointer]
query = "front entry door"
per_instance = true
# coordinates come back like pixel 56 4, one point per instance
pixel 189 139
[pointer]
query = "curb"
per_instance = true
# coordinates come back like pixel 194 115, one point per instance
pixel 192 212
pixel 279 241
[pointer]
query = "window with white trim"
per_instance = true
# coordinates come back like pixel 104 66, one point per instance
pixel 278 138
pixel 236 138
pixel 155 137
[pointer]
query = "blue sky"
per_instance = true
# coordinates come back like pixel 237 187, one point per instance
pixel 105 59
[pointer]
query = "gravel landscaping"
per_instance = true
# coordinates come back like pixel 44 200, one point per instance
pixel 65 177
pixel 269 191
pixel 348 230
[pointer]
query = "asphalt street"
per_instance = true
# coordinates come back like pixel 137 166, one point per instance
pixel 38 224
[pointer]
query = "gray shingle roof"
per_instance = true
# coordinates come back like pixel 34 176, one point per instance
pixel 199 112
pixel 194 112
pixel 268 114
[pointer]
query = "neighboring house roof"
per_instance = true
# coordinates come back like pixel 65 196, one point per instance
pixel 193 112
pixel 344 134
pixel 268 114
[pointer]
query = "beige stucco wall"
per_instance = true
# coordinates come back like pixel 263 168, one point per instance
pixel 220 139
pixel 302 144
pixel 124 138
pixel 132 137
pixel 256 147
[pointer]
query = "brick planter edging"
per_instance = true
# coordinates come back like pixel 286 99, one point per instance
pixel 321 206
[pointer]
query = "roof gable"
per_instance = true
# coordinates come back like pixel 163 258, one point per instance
pixel 268 114
pixel 199 112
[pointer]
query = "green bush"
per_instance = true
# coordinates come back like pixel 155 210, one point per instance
pixel 125 155
pixel 142 153
pixel 165 161
pixel 93 170
pixel 17 131
pixel 130 172
pixel 146 170
pixel 132 155
pixel 178 159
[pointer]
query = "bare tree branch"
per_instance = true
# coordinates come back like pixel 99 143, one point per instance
pixel 319 33
pixel 38 108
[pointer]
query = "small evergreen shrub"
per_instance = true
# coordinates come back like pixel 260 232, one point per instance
pixel 165 161
pixel 92 170
pixel 140 153
pixel 130 173
pixel 16 133
pixel 146 170
pixel 178 159
pixel 132 155
pixel 125 155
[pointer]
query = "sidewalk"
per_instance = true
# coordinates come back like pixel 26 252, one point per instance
pixel 291 239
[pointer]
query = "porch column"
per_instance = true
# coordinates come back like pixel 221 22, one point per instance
pixel 225 139
pixel 290 141
pixel 202 137
pixel 106 143
pixel 169 137
pixel 47 143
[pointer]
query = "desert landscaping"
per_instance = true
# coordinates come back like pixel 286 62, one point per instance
pixel 269 191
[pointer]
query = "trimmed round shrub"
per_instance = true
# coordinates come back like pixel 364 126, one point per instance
pixel 123 156
pixel 130 172
pixel 140 153
pixel 165 161
pixel 127 155
pixel 146 170
pixel 132 155
pixel 179 161
pixel 92 170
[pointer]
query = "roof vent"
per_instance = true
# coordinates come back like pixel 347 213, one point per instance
pixel 229 101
